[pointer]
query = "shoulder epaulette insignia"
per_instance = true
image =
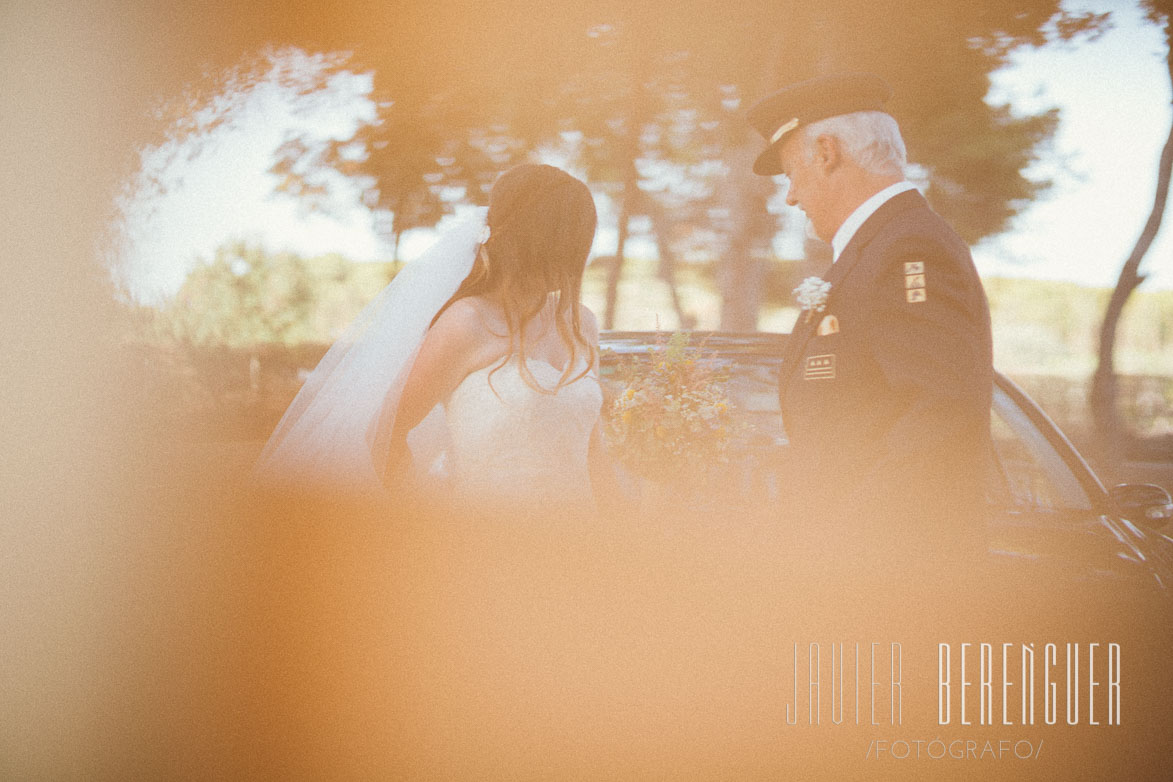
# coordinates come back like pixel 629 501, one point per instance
pixel 914 281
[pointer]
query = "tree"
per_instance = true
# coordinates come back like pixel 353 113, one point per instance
pixel 939 66
pixel 467 88
pixel 621 110
pixel 241 298
pixel 1110 428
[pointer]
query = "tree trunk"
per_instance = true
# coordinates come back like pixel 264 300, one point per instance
pixel 662 228
pixel 741 272
pixel 1110 429
pixel 393 230
pixel 626 209
pixel 632 195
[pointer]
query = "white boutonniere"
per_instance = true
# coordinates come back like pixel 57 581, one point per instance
pixel 812 295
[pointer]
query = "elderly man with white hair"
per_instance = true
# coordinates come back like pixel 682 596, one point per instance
pixel 886 382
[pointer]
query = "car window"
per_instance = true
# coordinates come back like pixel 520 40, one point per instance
pixel 753 389
pixel 1028 473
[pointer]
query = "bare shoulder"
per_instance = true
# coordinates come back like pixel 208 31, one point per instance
pixel 473 314
pixel 459 330
pixel 460 314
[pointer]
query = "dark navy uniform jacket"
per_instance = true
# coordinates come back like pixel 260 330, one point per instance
pixel 885 394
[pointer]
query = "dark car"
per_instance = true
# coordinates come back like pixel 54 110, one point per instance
pixel 1048 509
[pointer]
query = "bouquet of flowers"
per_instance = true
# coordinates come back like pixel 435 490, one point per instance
pixel 673 419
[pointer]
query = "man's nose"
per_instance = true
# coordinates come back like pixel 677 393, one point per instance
pixel 790 199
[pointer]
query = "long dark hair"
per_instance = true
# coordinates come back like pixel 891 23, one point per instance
pixel 541 225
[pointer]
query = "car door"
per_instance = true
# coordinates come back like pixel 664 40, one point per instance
pixel 1046 507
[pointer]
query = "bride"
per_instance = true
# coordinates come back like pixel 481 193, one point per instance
pixel 474 371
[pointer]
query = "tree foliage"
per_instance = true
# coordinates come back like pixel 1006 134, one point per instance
pixel 650 98
pixel 244 297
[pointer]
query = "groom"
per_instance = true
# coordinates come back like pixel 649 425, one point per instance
pixel 886 381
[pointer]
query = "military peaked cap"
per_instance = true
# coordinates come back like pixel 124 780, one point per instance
pixel 810 101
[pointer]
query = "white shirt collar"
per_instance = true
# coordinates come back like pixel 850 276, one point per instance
pixel 862 213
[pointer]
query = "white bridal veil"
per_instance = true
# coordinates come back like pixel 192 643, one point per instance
pixel 337 431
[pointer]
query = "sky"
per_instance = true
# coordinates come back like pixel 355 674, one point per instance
pixel 1114 96
pixel 217 187
pixel 1113 93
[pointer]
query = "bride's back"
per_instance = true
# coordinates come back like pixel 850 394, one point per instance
pixel 515 448
pixel 512 356
pixel 470 303
pixel 541 336
pixel 521 438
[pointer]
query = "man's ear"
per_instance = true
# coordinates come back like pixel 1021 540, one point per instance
pixel 827 154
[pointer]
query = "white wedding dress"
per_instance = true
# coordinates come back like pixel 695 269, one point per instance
pixel 496 445
pixel 513 449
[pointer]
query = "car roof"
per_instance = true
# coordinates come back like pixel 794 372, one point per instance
pixel 724 344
